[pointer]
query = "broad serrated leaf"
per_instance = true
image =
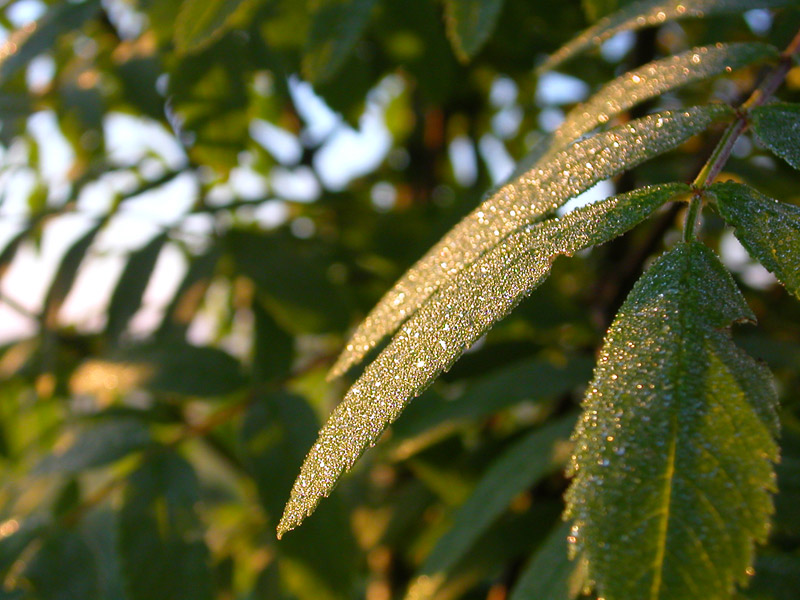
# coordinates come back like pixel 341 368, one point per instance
pixel 769 229
pixel 63 568
pixel 35 38
pixel 336 27
pixel 96 446
pixel 649 13
pixel 550 574
pixel 65 275
pixel 449 323
pixel 778 128
pixel 161 546
pixel 525 200
pixel 127 296
pixel 528 460
pixel 469 24
pixel 673 453
pixel 200 22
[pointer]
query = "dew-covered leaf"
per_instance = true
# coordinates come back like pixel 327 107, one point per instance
pixel 550 574
pixel 161 542
pixel 769 229
pixel 778 128
pixel 451 321
pixel 649 13
pixel 96 446
pixel 127 296
pixel 336 27
pixel 673 453
pixel 522 201
pixel 64 568
pixel 200 22
pixel 35 38
pixel 470 23
pixel 534 456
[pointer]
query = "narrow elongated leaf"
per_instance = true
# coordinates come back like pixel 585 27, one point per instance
pixel 336 27
pixel 672 464
pixel 160 537
pixel 778 127
pixel 454 318
pixel 38 37
pixel 523 201
pixel 652 80
pixel 536 455
pixel 550 574
pixel 470 23
pixel 65 275
pixel 769 229
pixel 127 296
pixel 649 13
pixel 200 22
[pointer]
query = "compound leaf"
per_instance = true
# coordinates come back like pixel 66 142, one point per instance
pixel 778 128
pixel 769 229
pixel 673 453
pixel 650 13
pixel 520 202
pixel 470 24
pixel 449 323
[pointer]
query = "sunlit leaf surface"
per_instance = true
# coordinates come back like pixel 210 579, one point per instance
pixel 672 462
pixel 449 323
pixel 520 202
pixel 649 13
pixel 769 229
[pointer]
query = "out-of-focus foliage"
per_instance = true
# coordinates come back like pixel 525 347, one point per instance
pixel 189 235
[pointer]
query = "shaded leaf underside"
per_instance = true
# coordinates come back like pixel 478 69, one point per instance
pixel 673 452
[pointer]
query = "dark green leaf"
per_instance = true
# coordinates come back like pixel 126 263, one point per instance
pixel 550 574
pixel 451 321
pixel 127 296
pixel 543 451
pixel 777 578
pixel 336 27
pixel 200 22
pixel 63 568
pixel 673 453
pixel 595 9
pixel 273 347
pixel 470 23
pixel 160 537
pixel 650 13
pixel 778 128
pixel 14 544
pixel 97 446
pixel 770 230
pixel 41 36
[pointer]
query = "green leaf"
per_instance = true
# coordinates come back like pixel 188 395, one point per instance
pixel 528 460
pixel 14 544
pixel 449 323
pixel 525 200
pixel 97 446
pixel 769 229
pixel 469 24
pixel 594 9
pixel 41 36
pixel 651 13
pixel 276 431
pixel 550 575
pixel 160 537
pixel 65 275
pixel 336 27
pixel 778 128
pixel 63 568
pixel 127 296
pixel 273 347
pixel 673 453
pixel 200 22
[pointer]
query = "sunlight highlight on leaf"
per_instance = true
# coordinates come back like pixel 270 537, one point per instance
pixel 673 453
pixel 523 201
pixel 452 320
pixel 649 13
